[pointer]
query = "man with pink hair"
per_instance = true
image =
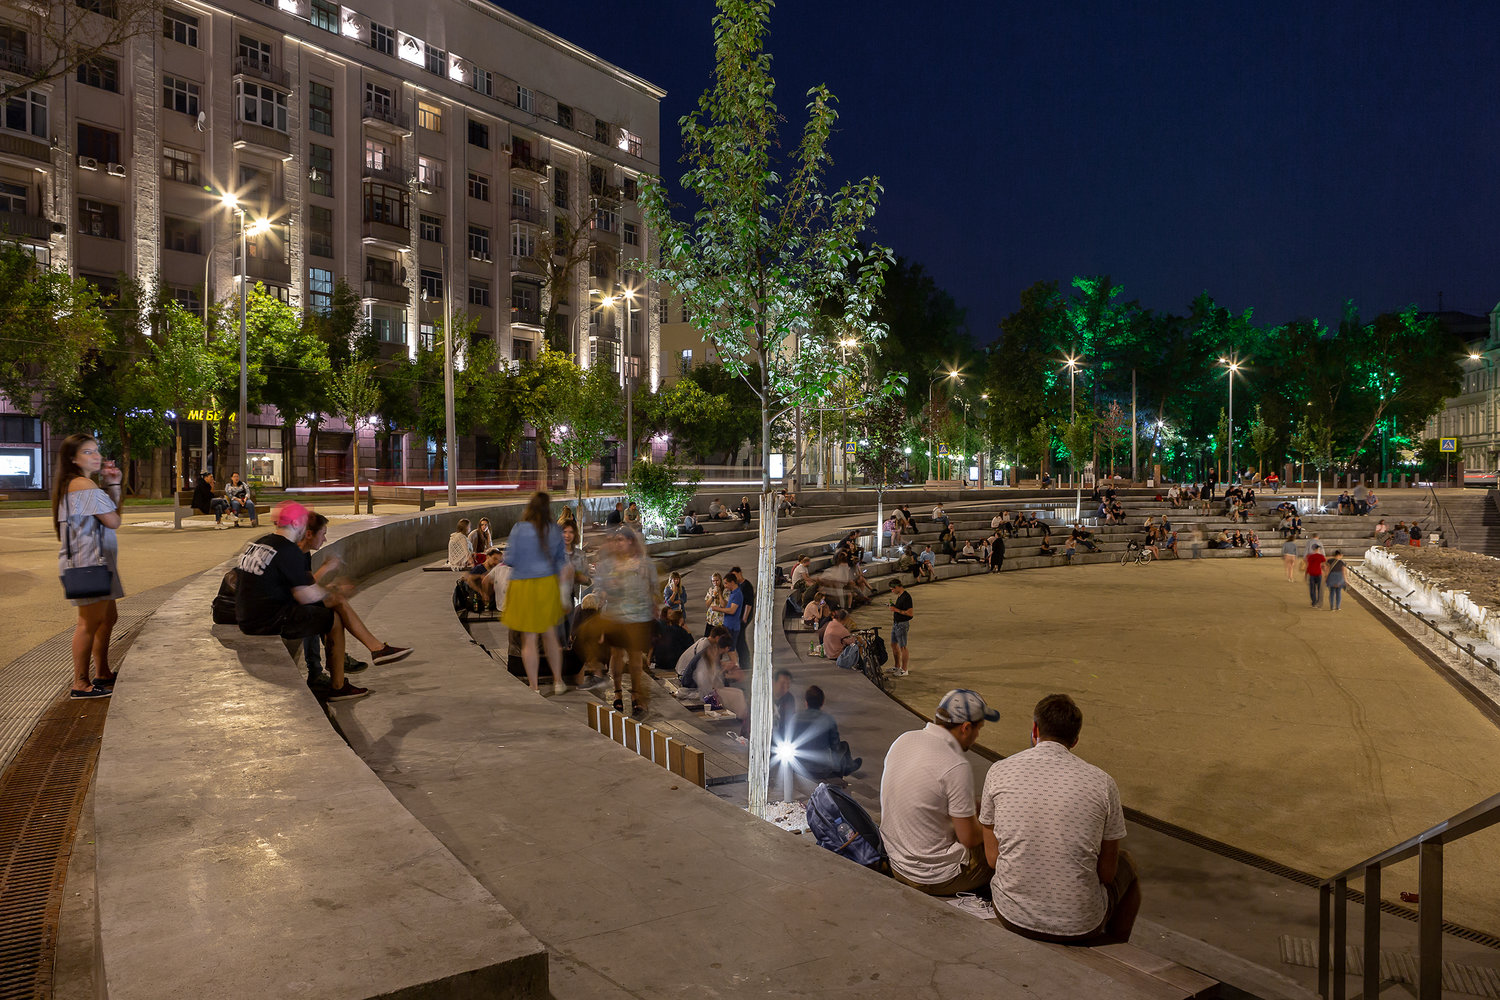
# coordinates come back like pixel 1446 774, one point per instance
pixel 278 595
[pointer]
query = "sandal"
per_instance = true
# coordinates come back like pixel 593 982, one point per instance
pixel 619 705
pixel 637 709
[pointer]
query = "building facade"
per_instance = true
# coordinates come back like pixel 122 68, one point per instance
pixel 412 152
pixel 1471 416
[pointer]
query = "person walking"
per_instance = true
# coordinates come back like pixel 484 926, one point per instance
pixel 539 568
pixel 1315 561
pixel 1334 571
pixel 1289 557
pixel 627 581
pixel 85 518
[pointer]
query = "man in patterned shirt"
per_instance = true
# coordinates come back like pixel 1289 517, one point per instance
pixel 1052 828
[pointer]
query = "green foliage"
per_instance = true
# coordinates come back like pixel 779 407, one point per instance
pixel 1264 438
pixel 354 394
pixel 587 415
pixel 55 332
pixel 693 418
pixel 655 488
pixel 1078 438
pixel 1312 442
pixel 880 457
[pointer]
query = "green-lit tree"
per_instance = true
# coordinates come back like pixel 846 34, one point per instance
pixel 1078 438
pixel 1312 442
pixel 294 362
pixel 177 372
pixel 354 396
pixel 587 416
pixel 1263 440
pixel 881 455
pixel 769 247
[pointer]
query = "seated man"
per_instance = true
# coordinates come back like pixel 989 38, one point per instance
pixel 940 515
pixel 927 800
pixel 701 660
pixel 240 502
pixel 926 563
pixel 839 643
pixel 206 502
pixel 788 503
pixel 312 646
pixel 815 735
pixel 716 511
pixel 278 595
pixel 616 517
pixel 801 570
pixel 1084 537
pixel 1052 826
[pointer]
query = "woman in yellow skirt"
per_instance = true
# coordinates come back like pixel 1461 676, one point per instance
pixel 533 601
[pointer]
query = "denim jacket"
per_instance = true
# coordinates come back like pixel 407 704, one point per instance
pixel 528 558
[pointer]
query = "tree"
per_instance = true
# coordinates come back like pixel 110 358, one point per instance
pixel 63 43
pixel 880 457
pixel 53 324
pixel 562 251
pixel 1113 425
pixel 354 396
pixel 662 491
pixel 1078 439
pixel 692 418
pixel 346 337
pixel 1263 439
pixel 587 417
pixel 1313 443
pixel 178 371
pixel 768 249
pixel 296 359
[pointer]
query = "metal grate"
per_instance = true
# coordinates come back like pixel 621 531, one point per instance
pixel 41 796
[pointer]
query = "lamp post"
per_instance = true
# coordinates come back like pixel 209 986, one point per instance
pixel 450 416
pixel 1231 366
pixel 844 344
pixel 259 226
pixel 626 295
pixel 1072 363
pixel 932 438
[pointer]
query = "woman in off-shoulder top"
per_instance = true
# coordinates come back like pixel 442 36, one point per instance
pixel 85 518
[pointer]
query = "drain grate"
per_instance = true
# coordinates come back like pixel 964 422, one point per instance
pixel 41 795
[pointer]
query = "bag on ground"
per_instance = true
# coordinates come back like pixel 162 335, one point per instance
pixel 849 657
pixel 841 825
pixel 877 650
pixel 223 604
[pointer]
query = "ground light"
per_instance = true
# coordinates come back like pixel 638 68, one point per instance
pixel 785 753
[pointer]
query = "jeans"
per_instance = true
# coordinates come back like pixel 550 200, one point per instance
pixel 1315 590
pixel 312 652
pixel 1335 597
pixel 243 508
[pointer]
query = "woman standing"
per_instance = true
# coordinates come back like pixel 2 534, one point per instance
pixel 539 568
pixel 628 582
pixel 1289 557
pixel 714 598
pixel 460 553
pixel 1334 573
pixel 85 518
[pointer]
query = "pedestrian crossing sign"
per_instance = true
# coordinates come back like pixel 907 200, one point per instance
pixel 1448 444
pixel 849 448
pixel 942 451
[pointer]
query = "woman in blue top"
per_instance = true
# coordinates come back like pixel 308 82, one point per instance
pixel 674 595
pixel 533 599
pixel 85 518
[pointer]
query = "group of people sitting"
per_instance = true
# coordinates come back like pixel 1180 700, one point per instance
pixel 1236 539
pixel 717 511
pixel 1402 534
pixel 234 499
pixel 1239 503
pixel 1358 501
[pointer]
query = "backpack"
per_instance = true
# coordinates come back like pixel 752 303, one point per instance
pixel 877 650
pixel 461 602
pixel 841 825
pixel 223 604
pixel 781 578
pixel 793 607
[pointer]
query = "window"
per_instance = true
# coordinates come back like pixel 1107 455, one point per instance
pixel 100 71
pixel 632 235
pixel 181 235
pixel 661 309
pixel 629 142
pixel 479 292
pixel 325 15
pixel 564 115
pixel 320 108
pixel 100 143
pixel 482 81
pixel 630 188
pixel 381 270
pixel 179 165
pixel 383 38
pixel 479 187
pixel 522 241
pixel 106 7
pixel 431 284
pixel 95 218
pixel 437 61
pixel 261 105
pixel 427 334
pixel 386 203
pixel 560 236
pixel 520 350
pixel 255 52
pixel 378 155
pixel 560 188
pixel 377 99
pixel 596 180
pixel 429 116
pixel 685 362
pixel 26 111
pixel 186 297
pixel 320 291
pixel 320 231
pixel 479 134
pixel 523 98
pixel 179 95
pixel 479 243
pixel 601 131
pixel 387 323
pixel 13 198
pixel 320 174
pixel 606 220
pixel 180 27
pixel 523 297
pixel 430 227
pixel 429 173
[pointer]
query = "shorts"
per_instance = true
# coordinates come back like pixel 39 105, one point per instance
pixel 631 637
pixel 973 874
pixel 304 621
pixel 898 634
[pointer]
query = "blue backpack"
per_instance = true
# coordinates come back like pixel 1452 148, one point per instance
pixel 841 825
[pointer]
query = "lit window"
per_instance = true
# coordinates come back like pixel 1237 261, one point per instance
pixel 431 284
pixel 260 105
pixel 320 291
pixel 429 116
pixel 179 165
pixel 325 15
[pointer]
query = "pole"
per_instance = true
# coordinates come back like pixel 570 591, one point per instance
pixel 1134 468
pixel 629 386
pixel 1073 418
pixel 450 467
pixel 244 431
pixel 1231 425
pixel 208 259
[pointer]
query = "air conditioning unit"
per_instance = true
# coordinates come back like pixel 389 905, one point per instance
pixel 117 170
pixel 88 163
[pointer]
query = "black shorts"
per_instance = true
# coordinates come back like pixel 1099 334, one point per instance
pixel 300 621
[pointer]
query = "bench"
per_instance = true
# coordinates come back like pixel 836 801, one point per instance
pixel 413 496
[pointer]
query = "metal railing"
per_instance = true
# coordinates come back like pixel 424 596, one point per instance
pixel 262 69
pixel 379 111
pixel 1450 533
pixel 1333 899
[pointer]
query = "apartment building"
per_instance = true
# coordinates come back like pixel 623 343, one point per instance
pixel 413 152
pixel 1472 415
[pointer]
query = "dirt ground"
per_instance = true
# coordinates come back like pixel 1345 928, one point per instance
pixel 1221 701
pixel 1456 569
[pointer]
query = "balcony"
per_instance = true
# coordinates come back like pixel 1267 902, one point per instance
pixel 262 69
pixel 609 195
pixel 388 174
pixel 270 270
pixel 386 292
pixel 249 132
pixel 533 267
pixel 526 316
pixel 12 144
pixel 18 64
pixel 386 234
pixel 530 164
pixel 525 213
pixel 376 113
pixel 29 226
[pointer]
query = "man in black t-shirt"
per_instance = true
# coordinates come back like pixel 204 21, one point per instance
pixel 901 614
pixel 277 595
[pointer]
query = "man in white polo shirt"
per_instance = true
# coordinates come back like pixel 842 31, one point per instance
pixel 927 800
pixel 1052 829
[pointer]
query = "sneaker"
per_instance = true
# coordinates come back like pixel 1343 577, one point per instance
pixel 320 680
pixel 733 736
pixel 898 672
pixel 972 905
pixel 93 692
pixel 346 693
pixel 591 681
pixel 353 666
pixel 559 688
pixel 390 654
pixel 853 766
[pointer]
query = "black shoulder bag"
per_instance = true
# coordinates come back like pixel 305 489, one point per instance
pixel 82 582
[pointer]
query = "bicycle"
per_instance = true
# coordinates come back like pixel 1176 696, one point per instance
pixel 1135 555
pixel 868 664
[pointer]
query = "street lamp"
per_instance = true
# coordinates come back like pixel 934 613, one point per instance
pixel 1231 365
pixel 932 439
pixel 1073 362
pixel 626 294
pixel 844 344
pixel 247 229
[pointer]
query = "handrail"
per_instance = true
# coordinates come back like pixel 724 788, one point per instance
pixel 1442 514
pixel 1333 896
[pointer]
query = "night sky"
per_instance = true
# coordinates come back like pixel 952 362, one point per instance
pixel 1280 156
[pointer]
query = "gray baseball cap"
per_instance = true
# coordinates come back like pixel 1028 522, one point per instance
pixel 963 705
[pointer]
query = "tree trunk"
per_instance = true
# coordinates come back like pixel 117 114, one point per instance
pixel 760 677
pixel 354 444
pixel 313 427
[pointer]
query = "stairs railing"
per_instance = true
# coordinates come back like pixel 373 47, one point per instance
pixel 1333 898
pixel 1450 533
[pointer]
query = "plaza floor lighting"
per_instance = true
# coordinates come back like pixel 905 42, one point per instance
pixel 247 229
pixel 1231 366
